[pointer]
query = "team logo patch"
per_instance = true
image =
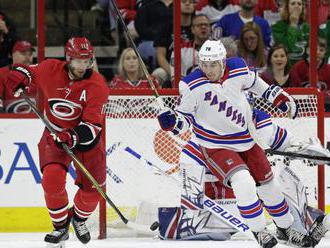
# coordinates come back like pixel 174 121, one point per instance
pixel 19 106
pixel 64 109
pixel 229 161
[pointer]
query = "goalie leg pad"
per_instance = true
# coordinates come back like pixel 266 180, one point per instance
pixel 186 224
pixel 169 222
pixel 275 203
pixel 192 194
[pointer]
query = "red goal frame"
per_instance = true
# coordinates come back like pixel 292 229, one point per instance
pixel 175 92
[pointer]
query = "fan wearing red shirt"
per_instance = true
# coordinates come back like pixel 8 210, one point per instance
pixel 127 9
pixel 299 73
pixel 130 73
pixel 74 95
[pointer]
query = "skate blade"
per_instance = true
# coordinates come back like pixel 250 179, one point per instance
pixel 287 243
pixel 59 245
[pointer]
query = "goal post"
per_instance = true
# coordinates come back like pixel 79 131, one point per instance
pixel 137 150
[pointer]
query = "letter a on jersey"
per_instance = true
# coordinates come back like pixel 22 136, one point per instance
pixel 83 96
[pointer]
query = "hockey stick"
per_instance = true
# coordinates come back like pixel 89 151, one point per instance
pixel 83 169
pixel 298 155
pixel 219 210
pixel 268 150
pixel 143 66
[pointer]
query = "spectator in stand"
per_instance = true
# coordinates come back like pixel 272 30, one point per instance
pixel 323 11
pixel 325 33
pixel 151 19
pixel 230 46
pixel 267 9
pixel 201 31
pixel 215 9
pixel 251 46
pixel 22 54
pixel 130 73
pixel 7 39
pixel 292 30
pixel 278 71
pixel 164 43
pixel 126 8
pixel 225 26
pixel 300 72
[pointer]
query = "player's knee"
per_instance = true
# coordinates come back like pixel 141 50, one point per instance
pixel 53 179
pixel 268 189
pixel 270 193
pixel 87 197
pixel 243 184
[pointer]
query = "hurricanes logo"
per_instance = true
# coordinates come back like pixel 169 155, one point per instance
pixel 19 106
pixel 64 109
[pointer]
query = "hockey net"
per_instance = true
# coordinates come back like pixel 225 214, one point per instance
pixel 142 160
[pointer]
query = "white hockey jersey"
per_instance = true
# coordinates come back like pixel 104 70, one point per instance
pixel 277 137
pixel 219 111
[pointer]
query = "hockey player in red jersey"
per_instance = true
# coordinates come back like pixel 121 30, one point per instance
pixel 74 97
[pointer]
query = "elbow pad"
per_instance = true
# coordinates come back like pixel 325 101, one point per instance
pixel 88 135
pixel 282 100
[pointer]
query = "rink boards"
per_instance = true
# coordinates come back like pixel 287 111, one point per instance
pixel 21 197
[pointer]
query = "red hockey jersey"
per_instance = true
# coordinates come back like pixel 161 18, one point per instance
pixel 66 102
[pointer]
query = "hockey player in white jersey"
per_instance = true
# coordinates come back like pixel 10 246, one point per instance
pixel 200 224
pixel 215 105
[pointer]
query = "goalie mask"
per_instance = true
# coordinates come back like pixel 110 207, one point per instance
pixel 212 59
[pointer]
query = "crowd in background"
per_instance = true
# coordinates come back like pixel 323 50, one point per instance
pixel 271 35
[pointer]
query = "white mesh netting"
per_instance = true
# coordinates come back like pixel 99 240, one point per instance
pixel 137 150
pixel 303 128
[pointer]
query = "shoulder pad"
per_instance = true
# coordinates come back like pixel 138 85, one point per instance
pixel 195 79
pixel 236 67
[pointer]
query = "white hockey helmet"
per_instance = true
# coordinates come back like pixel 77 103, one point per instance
pixel 212 50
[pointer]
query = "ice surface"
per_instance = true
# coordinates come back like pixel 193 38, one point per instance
pixel 34 240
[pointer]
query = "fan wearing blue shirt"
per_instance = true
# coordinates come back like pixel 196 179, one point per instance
pixel 231 24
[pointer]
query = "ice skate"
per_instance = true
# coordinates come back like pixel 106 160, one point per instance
pixel 57 238
pixel 81 230
pixel 265 239
pixel 318 229
pixel 292 237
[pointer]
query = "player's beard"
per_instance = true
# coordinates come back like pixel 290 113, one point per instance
pixel 74 74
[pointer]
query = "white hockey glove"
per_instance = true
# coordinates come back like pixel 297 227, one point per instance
pixel 282 100
pixel 313 148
